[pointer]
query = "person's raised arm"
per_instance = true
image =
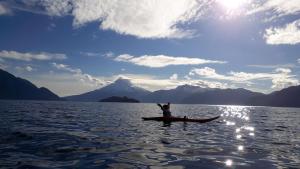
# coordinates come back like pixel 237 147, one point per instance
pixel 159 105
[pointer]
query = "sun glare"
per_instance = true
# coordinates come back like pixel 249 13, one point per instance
pixel 232 4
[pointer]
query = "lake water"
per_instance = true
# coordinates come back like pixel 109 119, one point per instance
pixel 38 134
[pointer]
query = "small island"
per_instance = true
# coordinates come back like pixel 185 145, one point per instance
pixel 123 99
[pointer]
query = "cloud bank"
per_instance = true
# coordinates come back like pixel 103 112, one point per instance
pixel 280 77
pixel 158 61
pixel 140 18
pixel 31 56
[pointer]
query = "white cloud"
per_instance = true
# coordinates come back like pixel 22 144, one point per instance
pixel 277 7
pixel 51 7
pixel 283 82
pixel 4 9
pixel 66 68
pixel 298 60
pixel 90 54
pixel 187 77
pixel 109 54
pixel 273 66
pixel 158 61
pixel 208 73
pixel 174 77
pixel 84 77
pixel 94 54
pixel 149 82
pixel 24 69
pixel 210 84
pixel 283 70
pixel 29 68
pixel 30 56
pixel 140 18
pixel 280 78
pixel 289 34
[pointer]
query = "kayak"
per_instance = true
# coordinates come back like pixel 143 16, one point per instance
pixel 179 119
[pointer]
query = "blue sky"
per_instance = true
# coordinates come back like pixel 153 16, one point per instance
pixel 73 46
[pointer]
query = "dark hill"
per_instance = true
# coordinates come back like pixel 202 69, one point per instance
pixel 14 88
pixel 288 97
pixel 222 96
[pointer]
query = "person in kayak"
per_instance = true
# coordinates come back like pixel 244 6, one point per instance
pixel 166 109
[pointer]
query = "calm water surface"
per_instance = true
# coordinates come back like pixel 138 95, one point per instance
pixel 36 134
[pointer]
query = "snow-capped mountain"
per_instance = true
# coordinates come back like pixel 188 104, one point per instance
pixel 120 87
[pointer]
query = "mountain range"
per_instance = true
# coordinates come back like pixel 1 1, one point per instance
pixel 182 94
pixel 12 87
pixel 188 94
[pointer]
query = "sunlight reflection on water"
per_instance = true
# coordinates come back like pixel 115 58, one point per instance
pixel 238 118
pixel 240 148
pixel 228 162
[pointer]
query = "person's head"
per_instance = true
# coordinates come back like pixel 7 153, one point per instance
pixel 166 106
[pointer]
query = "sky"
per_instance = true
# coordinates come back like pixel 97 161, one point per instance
pixel 75 46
